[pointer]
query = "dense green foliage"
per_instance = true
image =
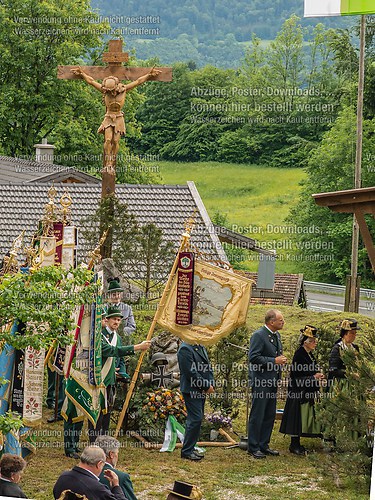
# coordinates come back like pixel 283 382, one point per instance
pixel 205 31
pixel 273 110
pixel 207 19
pixel 43 302
pixel 35 38
pixel 327 249
pixel 353 400
pixel 330 167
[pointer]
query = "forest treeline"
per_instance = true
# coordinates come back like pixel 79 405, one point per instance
pixel 206 31
pixel 290 104
pixel 272 110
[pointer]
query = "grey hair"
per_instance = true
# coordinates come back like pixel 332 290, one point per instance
pixel 91 455
pixel 270 315
pixel 107 444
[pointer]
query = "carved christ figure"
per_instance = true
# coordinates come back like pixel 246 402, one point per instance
pixel 113 124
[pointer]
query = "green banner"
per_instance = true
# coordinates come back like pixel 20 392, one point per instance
pixel 84 387
pixel 98 341
pixel 357 7
pixel 88 399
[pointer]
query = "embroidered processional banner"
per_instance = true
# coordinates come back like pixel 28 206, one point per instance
pixel 85 393
pixel 220 304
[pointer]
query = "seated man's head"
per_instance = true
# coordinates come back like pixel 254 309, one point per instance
pixel 110 446
pixel 93 459
pixel 12 467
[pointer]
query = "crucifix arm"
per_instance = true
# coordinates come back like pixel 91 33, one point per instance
pixel 88 79
pixel 143 79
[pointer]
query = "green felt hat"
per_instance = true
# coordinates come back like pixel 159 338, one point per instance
pixel 114 312
pixel 114 285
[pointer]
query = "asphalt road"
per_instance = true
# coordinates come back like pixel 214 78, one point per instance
pixel 326 301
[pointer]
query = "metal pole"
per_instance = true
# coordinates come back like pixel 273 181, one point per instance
pixel 353 305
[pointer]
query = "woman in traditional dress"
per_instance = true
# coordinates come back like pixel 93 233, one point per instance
pixel 338 384
pixel 305 376
pixel 348 332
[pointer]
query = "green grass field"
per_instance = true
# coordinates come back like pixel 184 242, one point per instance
pixel 255 200
pixel 224 474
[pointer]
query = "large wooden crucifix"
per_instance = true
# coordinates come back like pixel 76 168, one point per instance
pixel 114 93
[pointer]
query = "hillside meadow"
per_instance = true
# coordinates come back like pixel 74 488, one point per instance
pixel 254 200
pixel 224 474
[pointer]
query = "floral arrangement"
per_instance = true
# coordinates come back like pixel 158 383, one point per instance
pixel 164 402
pixel 219 419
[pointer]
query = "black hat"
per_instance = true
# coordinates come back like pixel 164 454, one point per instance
pixel 309 331
pixel 349 324
pixel 184 490
pixel 114 285
pixel 114 312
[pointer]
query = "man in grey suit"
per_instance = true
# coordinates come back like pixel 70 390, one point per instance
pixel 265 361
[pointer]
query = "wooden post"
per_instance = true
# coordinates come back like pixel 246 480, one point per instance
pixel 353 306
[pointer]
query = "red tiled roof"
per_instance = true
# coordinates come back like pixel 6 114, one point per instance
pixel 288 288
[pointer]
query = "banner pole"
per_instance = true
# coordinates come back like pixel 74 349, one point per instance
pixel 183 246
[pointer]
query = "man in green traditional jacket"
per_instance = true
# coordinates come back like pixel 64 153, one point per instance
pixel 111 447
pixel 112 348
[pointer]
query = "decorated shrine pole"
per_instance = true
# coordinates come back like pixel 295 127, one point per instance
pixel 184 246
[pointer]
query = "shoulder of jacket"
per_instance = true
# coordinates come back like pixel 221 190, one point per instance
pixel 184 345
pixel 259 332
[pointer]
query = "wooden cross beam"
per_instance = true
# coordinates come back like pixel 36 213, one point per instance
pixel 114 59
pixel 359 201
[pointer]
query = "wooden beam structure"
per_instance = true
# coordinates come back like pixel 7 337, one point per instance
pixel 353 201
pixel 114 59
